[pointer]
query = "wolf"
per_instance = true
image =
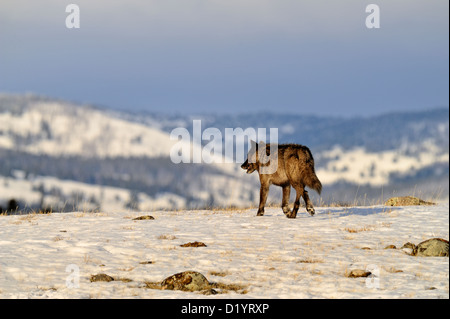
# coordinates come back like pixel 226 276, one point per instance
pixel 295 168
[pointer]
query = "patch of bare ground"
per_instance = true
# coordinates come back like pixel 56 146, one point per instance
pixel 107 278
pixel 309 261
pixel 146 217
pixel 218 273
pixel 194 244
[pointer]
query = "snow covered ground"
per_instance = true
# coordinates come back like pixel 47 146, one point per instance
pixel 54 256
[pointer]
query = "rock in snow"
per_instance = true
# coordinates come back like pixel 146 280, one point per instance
pixel 186 281
pixel 435 247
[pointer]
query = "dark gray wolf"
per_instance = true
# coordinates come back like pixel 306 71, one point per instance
pixel 295 168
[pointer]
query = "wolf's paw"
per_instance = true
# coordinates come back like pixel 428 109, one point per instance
pixel 286 210
pixel 291 215
pixel 311 210
pixel 260 213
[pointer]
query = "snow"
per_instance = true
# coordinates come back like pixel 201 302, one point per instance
pixel 227 192
pixel 61 129
pixel 111 199
pixel 82 131
pixel 54 255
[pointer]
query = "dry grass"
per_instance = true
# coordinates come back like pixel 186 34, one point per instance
pixel 31 218
pixel 167 237
pixel 392 270
pixel 90 213
pixel 57 238
pixel 225 288
pixel 130 268
pixel 310 260
pixel 218 273
pixel 361 229
pixel 87 259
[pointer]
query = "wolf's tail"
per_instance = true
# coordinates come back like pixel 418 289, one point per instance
pixel 309 177
pixel 312 181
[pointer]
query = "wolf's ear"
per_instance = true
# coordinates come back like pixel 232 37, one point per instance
pixel 253 144
pixel 263 145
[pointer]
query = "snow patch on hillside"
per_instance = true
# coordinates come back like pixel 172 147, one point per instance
pixel 368 168
pixel 54 129
pixel 46 192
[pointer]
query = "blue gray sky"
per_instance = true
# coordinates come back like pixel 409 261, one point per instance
pixel 230 56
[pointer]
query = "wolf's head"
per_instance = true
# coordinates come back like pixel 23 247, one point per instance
pixel 251 164
pixel 250 167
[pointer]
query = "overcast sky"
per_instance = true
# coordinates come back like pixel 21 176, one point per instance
pixel 192 56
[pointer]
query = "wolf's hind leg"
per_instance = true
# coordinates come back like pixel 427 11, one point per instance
pixel 294 211
pixel 308 203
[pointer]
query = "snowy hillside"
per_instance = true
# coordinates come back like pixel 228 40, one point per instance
pixel 248 256
pixel 57 153
pixel 59 128
pixel 118 160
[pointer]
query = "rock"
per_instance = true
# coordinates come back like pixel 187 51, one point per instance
pixel 147 217
pixel 356 273
pixel 408 248
pixel 194 244
pixel 186 281
pixel 435 247
pixel 390 247
pixel 101 277
pixel 409 245
pixel 406 201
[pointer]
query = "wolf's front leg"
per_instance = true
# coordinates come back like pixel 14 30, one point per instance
pixel 264 191
pixel 285 201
